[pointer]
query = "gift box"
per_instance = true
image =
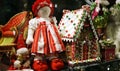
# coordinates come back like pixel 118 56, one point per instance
pixel 108 53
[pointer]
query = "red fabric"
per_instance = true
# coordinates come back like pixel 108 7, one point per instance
pixel 42 3
pixel 42 28
pixel 11 68
pixel 8 33
pixel 49 40
pixel 57 64
pixel 40 65
pixel 20 42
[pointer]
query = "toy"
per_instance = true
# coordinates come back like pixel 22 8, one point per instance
pixel 43 35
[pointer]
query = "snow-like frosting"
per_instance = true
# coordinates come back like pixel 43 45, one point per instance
pixel 69 23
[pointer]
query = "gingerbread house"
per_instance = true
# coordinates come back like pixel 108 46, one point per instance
pixel 80 37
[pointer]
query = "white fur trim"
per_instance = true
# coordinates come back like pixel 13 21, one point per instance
pixel 22 51
pixel 17 64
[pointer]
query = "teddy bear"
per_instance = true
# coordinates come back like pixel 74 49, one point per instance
pixel 44 37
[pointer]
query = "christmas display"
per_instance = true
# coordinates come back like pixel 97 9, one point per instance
pixel 44 36
pixel 84 37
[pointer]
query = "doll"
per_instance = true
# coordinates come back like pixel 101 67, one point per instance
pixel 44 37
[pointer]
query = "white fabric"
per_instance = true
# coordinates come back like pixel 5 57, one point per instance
pixel 56 41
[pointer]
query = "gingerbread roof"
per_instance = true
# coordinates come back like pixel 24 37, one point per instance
pixel 71 22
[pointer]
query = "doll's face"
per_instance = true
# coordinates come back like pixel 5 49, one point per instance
pixel 44 12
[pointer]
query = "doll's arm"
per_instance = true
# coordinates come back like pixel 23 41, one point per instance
pixel 55 21
pixel 31 29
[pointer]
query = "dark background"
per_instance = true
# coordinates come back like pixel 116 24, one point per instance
pixel 9 8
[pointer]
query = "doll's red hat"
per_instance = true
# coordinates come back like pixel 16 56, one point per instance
pixel 41 3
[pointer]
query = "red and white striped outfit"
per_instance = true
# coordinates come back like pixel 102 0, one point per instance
pixel 46 36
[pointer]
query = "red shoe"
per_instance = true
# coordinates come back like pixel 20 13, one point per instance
pixel 40 65
pixel 57 64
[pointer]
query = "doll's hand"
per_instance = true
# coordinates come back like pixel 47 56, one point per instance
pixel 30 39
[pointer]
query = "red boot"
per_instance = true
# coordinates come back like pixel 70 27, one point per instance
pixel 57 64
pixel 40 65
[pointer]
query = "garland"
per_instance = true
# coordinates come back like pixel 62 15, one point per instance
pixel 80 26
